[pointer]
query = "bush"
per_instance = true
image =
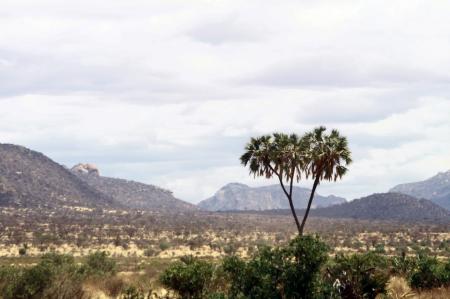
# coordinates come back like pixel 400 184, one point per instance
pixel 290 272
pixel 164 245
pixel 113 286
pixel 429 273
pixel 359 276
pixel 189 277
pixel 148 252
pixel 99 263
pixel 22 251
pixel 55 276
pixel 132 292
pixel 402 265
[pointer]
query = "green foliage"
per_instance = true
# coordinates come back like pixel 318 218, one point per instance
pixel 402 265
pixel 359 276
pixel 289 272
pixel 55 276
pixel 132 292
pixel 99 263
pixel 229 249
pixel 164 245
pixel 316 154
pixel 429 272
pixel 22 251
pixel 189 277
pixel 379 248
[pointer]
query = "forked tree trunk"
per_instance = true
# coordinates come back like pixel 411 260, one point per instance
pixel 291 203
pixel 308 208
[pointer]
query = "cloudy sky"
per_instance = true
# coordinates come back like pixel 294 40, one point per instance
pixel 168 92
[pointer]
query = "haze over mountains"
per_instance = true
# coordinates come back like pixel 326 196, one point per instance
pixel 235 196
pixel 131 194
pixel 29 179
pixel 436 189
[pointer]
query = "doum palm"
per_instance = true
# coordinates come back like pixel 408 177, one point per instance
pixel 290 158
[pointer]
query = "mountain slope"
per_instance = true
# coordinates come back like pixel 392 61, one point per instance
pixel 386 206
pixel 436 189
pixel 235 196
pixel 131 194
pixel 30 179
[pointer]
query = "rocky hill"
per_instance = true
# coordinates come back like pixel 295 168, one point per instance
pixel 235 196
pixel 30 179
pixel 387 206
pixel 378 206
pixel 129 193
pixel 436 189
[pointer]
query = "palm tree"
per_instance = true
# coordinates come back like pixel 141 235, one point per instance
pixel 327 157
pixel 278 154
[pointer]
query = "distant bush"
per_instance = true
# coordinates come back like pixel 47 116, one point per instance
pixel 164 245
pixel 359 276
pixel 229 249
pixel 189 277
pixel 148 252
pixel 22 251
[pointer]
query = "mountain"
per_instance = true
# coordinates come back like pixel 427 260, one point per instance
pixel 387 206
pixel 235 196
pixel 30 179
pixel 129 193
pixel 436 189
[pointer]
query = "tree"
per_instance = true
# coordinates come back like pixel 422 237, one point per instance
pixel 327 158
pixel 288 157
pixel 278 154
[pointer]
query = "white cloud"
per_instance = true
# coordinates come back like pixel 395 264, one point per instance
pixel 168 92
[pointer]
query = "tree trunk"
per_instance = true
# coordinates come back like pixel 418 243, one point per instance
pixel 291 204
pixel 308 208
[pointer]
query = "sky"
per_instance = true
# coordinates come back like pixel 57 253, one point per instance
pixel 169 92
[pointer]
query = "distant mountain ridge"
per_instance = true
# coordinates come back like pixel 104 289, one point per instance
pixel 387 206
pixel 30 179
pixel 236 196
pixel 379 206
pixel 436 189
pixel 131 194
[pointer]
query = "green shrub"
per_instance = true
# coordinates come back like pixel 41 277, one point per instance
pixel 132 292
pixel 189 277
pixel 429 272
pixel 164 245
pixel 9 277
pixel 22 251
pixel 55 276
pixel 289 272
pixel 359 276
pixel 99 263
pixel 403 265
